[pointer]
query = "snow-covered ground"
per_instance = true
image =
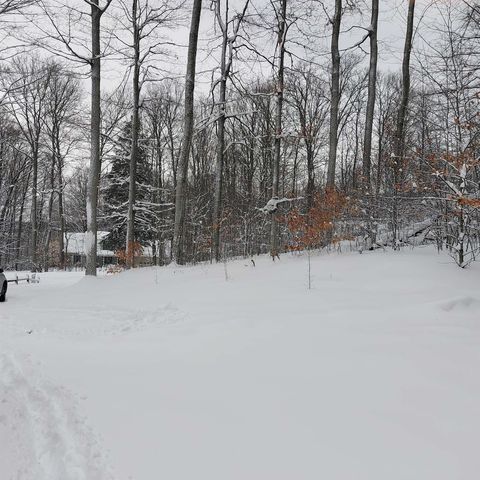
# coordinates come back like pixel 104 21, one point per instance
pixel 176 373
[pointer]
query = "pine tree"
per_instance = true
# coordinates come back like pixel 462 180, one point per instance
pixel 115 195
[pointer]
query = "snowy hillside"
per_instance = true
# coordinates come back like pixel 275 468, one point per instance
pixel 177 374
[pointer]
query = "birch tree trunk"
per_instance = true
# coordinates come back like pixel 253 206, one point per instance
pixel 182 171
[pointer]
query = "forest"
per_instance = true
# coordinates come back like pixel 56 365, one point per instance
pixel 204 131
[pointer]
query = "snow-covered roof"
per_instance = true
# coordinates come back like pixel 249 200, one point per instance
pixel 75 243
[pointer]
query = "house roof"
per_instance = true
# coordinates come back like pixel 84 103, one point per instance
pixel 75 245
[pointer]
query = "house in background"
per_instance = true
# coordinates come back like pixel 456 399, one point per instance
pixel 75 250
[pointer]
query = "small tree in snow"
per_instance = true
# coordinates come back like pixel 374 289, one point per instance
pixel 459 201
pixel 127 256
pixel 316 228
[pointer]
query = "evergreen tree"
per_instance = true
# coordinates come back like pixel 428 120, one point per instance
pixel 115 195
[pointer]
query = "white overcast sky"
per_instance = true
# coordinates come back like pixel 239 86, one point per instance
pixel 391 31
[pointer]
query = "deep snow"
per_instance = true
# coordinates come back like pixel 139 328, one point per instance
pixel 176 373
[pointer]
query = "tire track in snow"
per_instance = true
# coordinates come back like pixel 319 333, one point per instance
pixel 42 437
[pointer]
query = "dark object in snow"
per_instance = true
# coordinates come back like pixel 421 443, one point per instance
pixel 371 248
pixel 3 286
pixel 34 278
pixel 253 262
pixel 274 255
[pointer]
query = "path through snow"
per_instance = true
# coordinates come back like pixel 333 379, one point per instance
pixel 41 433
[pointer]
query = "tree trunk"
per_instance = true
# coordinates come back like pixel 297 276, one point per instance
pixel 48 236
pixel 20 225
pixel 33 212
pixel 311 175
pixel 372 85
pixel 182 173
pixel 225 67
pixel 282 32
pixel 402 114
pixel 95 159
pixel 61 214
pixel 217 205
pixel 130 250
pixel 335 95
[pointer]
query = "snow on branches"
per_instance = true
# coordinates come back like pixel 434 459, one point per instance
pixel 272 205
pixel 458 191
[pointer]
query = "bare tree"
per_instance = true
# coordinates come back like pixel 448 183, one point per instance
pixel 311 104
pixel 398 151
pixel 62 37
pixel 28 103
pixel 180 194
pixel 63 99
pixel 372 84
pixel 142 20
pixel 335 94
pixel 224 22
pixel 95 131
pixel 13 6
pixel 15 174
pixel 281 17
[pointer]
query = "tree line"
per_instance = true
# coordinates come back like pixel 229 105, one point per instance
pixel 290 135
